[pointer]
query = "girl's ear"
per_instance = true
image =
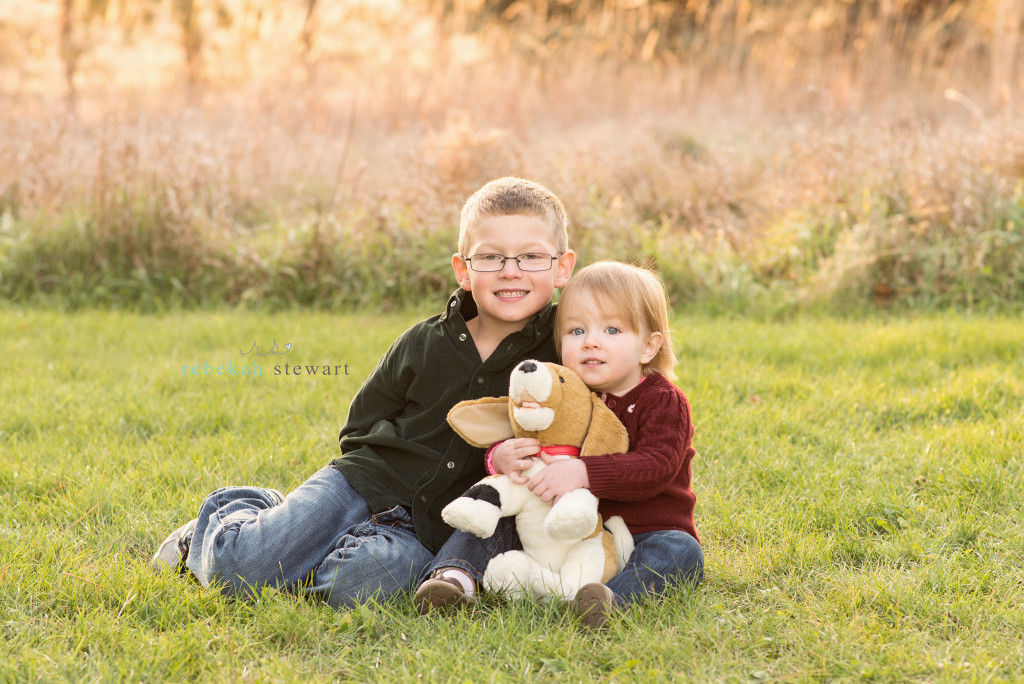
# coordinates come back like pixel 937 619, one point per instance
pixel 564 267
pixel 651 347
pixel 461 269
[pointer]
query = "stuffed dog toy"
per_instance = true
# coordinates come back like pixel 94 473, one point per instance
pixel 565 544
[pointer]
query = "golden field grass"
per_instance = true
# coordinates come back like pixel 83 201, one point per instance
pixel 762 156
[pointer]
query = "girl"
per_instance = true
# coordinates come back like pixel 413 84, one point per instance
pixel 611 327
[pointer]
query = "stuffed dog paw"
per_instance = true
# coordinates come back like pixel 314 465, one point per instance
pixel 565 544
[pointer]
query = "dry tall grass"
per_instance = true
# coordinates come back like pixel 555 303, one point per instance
pixel 767 154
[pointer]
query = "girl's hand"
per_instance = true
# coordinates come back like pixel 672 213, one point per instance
pixel 561 476
pixel 512 457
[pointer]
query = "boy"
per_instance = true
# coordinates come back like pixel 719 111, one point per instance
pixel 367 524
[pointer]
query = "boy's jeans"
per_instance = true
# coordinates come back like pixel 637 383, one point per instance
pixel 321 541
pixel 659 559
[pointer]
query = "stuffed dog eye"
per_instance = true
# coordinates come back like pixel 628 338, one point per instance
pixel 561 380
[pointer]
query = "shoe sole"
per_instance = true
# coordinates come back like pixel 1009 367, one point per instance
pixel 441 595
pixel 594 605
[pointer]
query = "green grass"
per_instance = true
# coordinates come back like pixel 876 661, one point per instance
pixel 858 480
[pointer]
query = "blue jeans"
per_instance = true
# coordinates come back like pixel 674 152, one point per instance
pixel 322 541
pixel 471 553
pixel 659 559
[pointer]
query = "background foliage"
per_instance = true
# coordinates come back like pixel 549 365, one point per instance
pixel 764 156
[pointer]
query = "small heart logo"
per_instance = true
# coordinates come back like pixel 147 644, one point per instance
pixel 288 346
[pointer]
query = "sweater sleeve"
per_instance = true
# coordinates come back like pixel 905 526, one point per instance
pixel 660 442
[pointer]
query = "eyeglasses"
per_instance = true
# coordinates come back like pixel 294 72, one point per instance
pixel 488 263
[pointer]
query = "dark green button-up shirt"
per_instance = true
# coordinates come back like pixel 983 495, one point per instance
pixel 397 446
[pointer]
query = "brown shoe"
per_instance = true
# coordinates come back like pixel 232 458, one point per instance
pixel 441 592
pixel 594 604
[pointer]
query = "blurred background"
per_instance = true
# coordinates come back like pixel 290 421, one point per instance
pixel 763 156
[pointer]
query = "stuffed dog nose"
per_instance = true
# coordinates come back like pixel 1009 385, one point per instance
pixel 528 366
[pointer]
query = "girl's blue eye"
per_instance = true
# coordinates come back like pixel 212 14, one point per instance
pixel 613 331
pixel 576 331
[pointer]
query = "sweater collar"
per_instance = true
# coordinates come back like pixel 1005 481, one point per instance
pixel 648 381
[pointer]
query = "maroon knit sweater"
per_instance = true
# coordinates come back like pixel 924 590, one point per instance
pixel 649 486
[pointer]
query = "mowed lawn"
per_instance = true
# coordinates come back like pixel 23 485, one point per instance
pixel 859 492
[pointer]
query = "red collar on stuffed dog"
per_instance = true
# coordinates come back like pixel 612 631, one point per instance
pixel 561 450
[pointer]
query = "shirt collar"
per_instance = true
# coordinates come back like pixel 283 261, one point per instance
pixel 540 323
pixel 460 301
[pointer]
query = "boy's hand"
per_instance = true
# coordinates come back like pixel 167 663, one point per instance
pixel 512 456
pixel 561 476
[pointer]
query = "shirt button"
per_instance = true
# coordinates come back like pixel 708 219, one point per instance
pixel 479 381
pixel 451 465
pixel 462 337
pixel 423 498
pixel 611 403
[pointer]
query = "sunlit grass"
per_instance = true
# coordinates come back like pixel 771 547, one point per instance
pixel 858 483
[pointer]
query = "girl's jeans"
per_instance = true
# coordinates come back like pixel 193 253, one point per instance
pixel 659 559
pixel 322 540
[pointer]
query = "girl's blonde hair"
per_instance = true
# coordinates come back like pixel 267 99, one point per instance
pixel 635 295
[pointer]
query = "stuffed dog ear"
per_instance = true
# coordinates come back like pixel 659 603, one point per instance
pixel 606 435
pixel 482 422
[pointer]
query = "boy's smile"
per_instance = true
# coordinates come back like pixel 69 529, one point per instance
pixel 511 295
pixel 507 298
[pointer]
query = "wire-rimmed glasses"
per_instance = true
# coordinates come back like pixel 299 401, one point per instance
pixel 489 263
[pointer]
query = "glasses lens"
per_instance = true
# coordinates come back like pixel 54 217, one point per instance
pixel 487 262
pixel 534 262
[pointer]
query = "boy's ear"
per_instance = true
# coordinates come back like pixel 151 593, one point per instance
pixel 607 434
pixel 482 422
pixel 461 269
pixel 565 264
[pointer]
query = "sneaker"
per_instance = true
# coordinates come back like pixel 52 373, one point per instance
pixel 441 592
pixel 594 604
pixel 174 550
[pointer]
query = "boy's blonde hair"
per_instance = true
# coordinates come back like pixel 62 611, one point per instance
pixel 635 295
pixel 512 196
